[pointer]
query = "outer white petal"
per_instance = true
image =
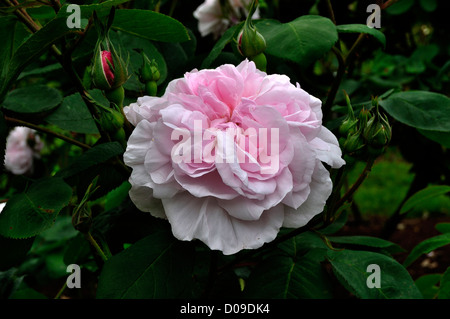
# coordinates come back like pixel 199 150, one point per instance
pixel 321 187
pixel 203 219
pixel 142 197
pixel 146 107
pixel 327 148
pixel 138 143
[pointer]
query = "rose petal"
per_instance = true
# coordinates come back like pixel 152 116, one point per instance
pixel 321 187
pixel 201 218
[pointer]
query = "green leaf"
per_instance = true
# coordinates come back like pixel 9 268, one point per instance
pixel 428 5
pixel 419 109
pixel 444 287
pixel 7 24
pixel 442 138
pixel 283 277
pixel 443 227
pixel 367 241
pixel 302 243
pixel 400 7
pixel 86 11
pixel 427 246
pixel 32 48
pixel 117 196
pixel 362 28
pixel 77 250
pixel 424 195
pixel 152 25
pixel 351 269
pixel 157 266
pixel 25 292
pixel 33 99
pixel 303 40
pixel 131 43
pixel 226 38
pixel 29 213
pixel 13 251
pixel 96 155
pixel 427 284
pixel 73 115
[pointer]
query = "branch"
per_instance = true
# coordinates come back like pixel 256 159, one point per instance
pixel 47 131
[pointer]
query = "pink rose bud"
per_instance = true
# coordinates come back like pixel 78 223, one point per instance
pixel 108 66
pixel 109 70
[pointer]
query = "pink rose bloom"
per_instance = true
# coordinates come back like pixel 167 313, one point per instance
pixel 216 19
pixel 22 147
pixel 232 154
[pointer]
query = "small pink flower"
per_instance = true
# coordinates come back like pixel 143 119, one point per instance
pixel 232 154
pixel 109 73
pixel 22 147
pixel 216 19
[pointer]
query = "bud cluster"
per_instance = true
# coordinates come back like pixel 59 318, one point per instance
pixel 365 135
pixel 149 75
pixel 109 72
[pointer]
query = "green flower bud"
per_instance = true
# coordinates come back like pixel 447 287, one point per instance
pixel 354 142
pixel 349 125
pixel 250 42
pixel 120 137
pixel 151 88
pixel 364 116
pixel 377 132
pixel 260 61
pixel 116 96
pixel 109 70
pixel 149 70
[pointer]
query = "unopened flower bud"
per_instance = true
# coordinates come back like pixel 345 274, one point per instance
pixel 116 96
pixel 251 43
pixel 149 70
pixel 349 125
pixel 109 70
pixel 364 116
pixel 378 133
pixel 151 88
pixel 149 75
pixel 354 142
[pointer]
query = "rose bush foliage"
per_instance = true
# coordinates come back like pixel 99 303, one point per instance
pixel 213 150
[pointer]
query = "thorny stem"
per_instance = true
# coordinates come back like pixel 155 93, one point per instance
pixel 56 5
pixel 348 195
pixel 331 207
pixel 172 7
pixel 330 10
pixel 47 131
pixel 344 62
pixel 60 292
pixel 96 246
